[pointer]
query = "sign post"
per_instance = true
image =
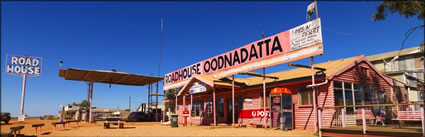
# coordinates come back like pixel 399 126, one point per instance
pixel 23 66
pixel 21 116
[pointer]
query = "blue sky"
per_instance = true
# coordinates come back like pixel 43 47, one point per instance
pixel 126 36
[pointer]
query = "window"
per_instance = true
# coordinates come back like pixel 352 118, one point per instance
pixel 209 110
pixel 306 96
pixel 358 94
pixel 367 94
pixel 197 108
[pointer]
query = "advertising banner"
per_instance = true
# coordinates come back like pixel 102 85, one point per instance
pixel 297 43
pixel 253 113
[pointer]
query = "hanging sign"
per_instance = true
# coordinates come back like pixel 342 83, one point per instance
pixel 23 65
pixel 197 88
pixel 297 43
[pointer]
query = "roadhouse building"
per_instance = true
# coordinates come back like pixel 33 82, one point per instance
pixel 344 82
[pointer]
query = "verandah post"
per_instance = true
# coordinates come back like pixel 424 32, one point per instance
pixel 233 100
pixel 364 121
pixel 314 95
pixel 343 116
pixel 264 98
pixel 215 115
pixel 423 122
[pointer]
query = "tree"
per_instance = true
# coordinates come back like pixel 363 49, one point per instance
pixel 84 103
pixel 407 8
pixel 171 94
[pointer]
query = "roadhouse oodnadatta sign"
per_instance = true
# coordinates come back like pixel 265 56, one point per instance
pixel 297 43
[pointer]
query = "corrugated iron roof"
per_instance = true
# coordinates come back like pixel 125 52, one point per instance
pixel 109 77
pixel 391 54
pixel 331 67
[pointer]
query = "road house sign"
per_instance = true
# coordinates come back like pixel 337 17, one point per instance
pixel 297 43
pixel 23 65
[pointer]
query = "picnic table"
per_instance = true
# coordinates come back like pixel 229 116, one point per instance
pixel 37 126
pixel 58 123
pixel 113 120
pixel 70 121
pixel 16 129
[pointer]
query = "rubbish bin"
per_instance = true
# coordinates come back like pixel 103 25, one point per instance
pixel 174 120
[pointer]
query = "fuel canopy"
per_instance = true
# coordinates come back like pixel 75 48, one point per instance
pixel 109 77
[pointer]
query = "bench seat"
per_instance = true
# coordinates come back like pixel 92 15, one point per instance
pixel 107 123
pixel 259 121
pixel 37 126
pixel 369 116
pixel 408 116
pixel 16 129
pixel 58 123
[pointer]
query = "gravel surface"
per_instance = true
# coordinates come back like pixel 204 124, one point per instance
pixel 147 129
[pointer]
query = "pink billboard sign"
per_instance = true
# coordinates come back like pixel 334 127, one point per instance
pixel 297 43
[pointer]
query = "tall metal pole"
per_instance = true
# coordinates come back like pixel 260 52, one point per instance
pixel 264 96
pixel 233 100
pixel 24 82
pixel 129 103
pixel 156 103
pixel 314 94
pixel 149 96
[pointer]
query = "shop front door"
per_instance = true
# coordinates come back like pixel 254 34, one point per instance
pixel 237 109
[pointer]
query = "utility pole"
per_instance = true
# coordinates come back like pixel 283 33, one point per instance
pixel 129 103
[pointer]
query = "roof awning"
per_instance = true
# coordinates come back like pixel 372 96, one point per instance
pixel 109 77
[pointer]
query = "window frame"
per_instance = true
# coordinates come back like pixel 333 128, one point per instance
pixel 309 93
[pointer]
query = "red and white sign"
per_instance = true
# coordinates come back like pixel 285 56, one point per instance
pixel 297 43
pixel 253 113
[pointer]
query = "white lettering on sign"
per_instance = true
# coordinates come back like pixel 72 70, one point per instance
pixel 23 65
pixel 259 113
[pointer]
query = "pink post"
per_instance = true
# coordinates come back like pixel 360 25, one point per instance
pixel 215 115
pixel 314 95
pixel 264 97
pixel 423 122
pixel 343 116
pixel 190 112
pixel 320 118
pixel 364 121
pixel 233 100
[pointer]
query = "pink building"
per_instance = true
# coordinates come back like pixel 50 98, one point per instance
pixel 346 82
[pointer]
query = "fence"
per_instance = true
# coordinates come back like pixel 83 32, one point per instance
pixel 385 117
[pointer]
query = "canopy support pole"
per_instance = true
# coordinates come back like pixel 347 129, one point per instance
pixel 91 101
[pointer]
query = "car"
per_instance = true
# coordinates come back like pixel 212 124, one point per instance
pixel 136 116
pixel 5 117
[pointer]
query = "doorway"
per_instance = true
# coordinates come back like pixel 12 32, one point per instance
pixel 238 107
